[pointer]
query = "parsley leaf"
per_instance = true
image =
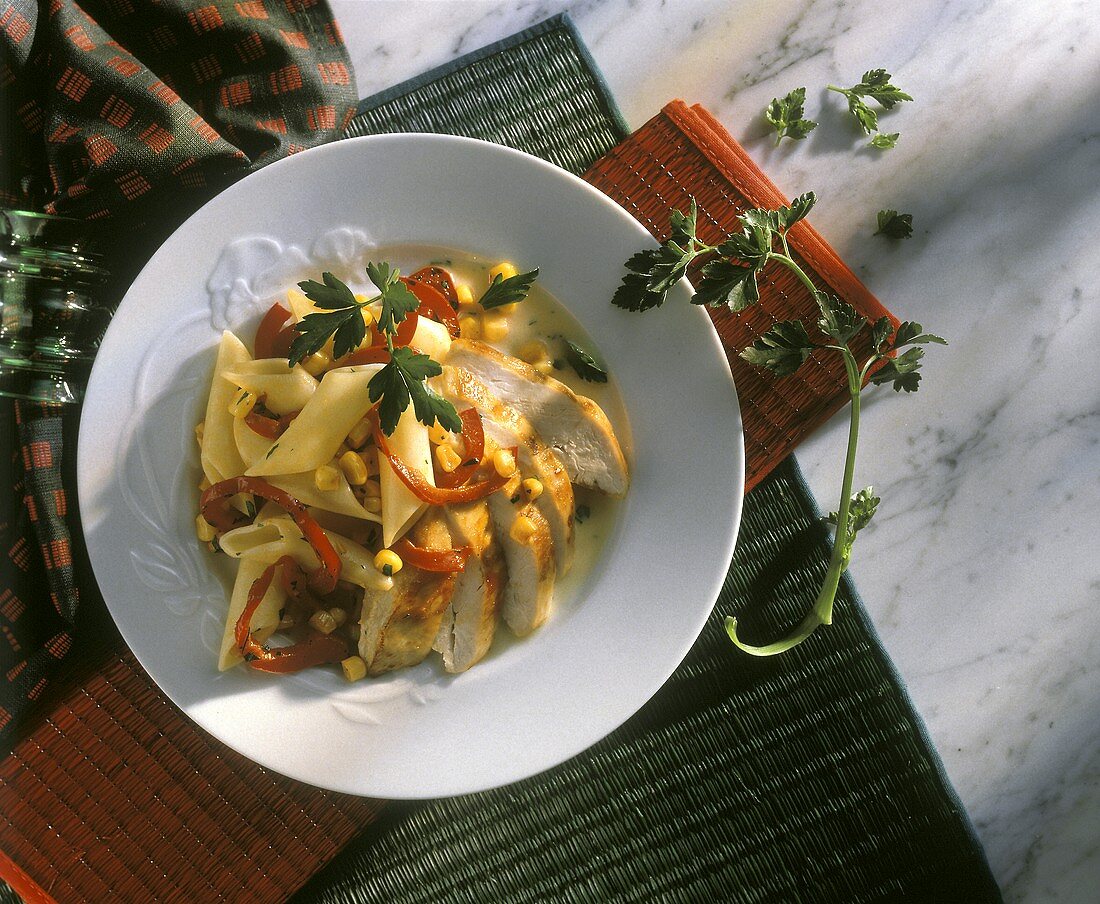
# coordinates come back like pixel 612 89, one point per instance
pixel 884 141
pixel 654 271
pixel 839 320
pixel 397 298
pixel 909 333
pixel 402 381
pixel 785 115
pixel 728 284
pixel 584 364
pixel 508 291
pixel 894 225
pixel 903 371
pixel 782 349
pixel 861 510
pixel 875 85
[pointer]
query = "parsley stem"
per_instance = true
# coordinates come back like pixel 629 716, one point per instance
pixel 787 261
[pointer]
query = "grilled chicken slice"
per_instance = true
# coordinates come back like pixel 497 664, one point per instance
pixel 575 427
pixel 398 626
pixel 536 459
pixel 468 625
pixel 524 537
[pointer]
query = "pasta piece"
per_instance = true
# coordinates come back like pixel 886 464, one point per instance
pixel 284 389
pixel 341 500
pixel 400 506
pixel 432 339
pixel 266 617
pixel 250 445
pixel 357 562
pixel 314 436
pixel 241 540
pixel 220 458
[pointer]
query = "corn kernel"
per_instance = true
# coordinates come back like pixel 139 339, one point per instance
pixel 359 434
pixel 242 404
pixel 504 462
pixel 494 327
pixel 372 487
pixel 523 529
pixel 200 431
pixel 340 616
pixel 354 668
pixel 534 351
pixel 532 488
pixel 354 469
pixel 317 364
pixel 368 314
pixel 465 296
pixel 354 630
pixel 388 562
pixel 505 270
pixel 438 434
pixel 469 326
pixel 544 367
pixel 326 478
pixel 322 621
pixel 204 529
pixel 373 504
pixel 447 457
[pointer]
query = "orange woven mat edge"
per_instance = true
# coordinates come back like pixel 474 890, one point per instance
pixel 684 151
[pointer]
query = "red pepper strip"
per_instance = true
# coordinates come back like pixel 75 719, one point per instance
pixel 273 337
pixel 438 279
pixel 444 560
pixel 473 434
pixel 317 650
pixel 269 427
pixel 323 580
pixel 433 304
pixel 424 491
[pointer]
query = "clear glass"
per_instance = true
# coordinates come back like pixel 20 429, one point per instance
pixel 52 317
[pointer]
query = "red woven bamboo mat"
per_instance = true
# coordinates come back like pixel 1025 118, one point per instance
pixel 682 152
pixel 115 795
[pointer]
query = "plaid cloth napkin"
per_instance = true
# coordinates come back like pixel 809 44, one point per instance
pixel 131 113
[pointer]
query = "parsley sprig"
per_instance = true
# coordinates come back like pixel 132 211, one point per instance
pixel 894 225
pixel 730 278
pixel 876 86
pixel 785 115
pixel 402 379
pixel 503 291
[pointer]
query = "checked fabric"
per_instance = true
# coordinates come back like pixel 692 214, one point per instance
pixel 130 114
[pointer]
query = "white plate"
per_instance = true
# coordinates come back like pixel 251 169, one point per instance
pixel 417 733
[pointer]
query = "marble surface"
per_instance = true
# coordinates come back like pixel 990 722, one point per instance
pixel 981 570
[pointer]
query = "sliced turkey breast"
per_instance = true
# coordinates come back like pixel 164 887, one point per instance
pixel 536 459
pixel 575 427
pixel 398 626
pixel 468 625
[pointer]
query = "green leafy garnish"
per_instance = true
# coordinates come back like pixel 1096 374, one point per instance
pixel 508 291
pixel 584 364
pixel 894 225
pixel 876 86
pixel 730 278
pixel 884 141
pixel 401 380
pixel 785 115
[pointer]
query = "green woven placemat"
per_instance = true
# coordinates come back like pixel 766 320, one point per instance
pixel 807 777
